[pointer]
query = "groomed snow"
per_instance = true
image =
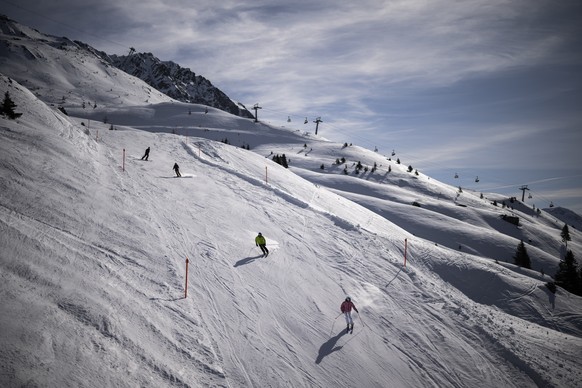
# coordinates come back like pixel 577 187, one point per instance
pixel 93 266
pixel 94 248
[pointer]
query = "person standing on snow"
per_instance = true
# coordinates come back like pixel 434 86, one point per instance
pixel 346 308
pixel 177 169
pixel 147 154
pixel 262 243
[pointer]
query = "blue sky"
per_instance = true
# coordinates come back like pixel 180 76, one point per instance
pixel 488 88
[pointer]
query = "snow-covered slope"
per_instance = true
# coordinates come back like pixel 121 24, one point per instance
pixel 65 72
pixel 566 216
pixel 60 72
pixel 94 243
pixel 93 268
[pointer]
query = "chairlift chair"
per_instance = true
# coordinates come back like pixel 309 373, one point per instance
pixel 530 196
pixel 306 121
pixel 456 175
pixel 288 119
pixel 477 179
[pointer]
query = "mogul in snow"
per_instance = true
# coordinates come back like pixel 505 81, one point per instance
pixel 262 243
pixel 346 308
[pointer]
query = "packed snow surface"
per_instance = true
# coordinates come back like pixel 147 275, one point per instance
pixel 95 244
pixel 94 250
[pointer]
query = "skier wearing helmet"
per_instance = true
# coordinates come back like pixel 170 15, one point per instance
pixel 262 243
pixel 346 308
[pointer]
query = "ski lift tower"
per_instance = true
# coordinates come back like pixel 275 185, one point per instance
pixel 317 121
pixel 523 189
pixel 256 108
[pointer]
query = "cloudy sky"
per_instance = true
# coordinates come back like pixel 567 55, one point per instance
pixel 488 88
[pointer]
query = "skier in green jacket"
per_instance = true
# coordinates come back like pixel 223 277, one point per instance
pixel 262 243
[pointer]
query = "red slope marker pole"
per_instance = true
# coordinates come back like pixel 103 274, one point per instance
pixel 405 246
pixel 186 287
pixel 266 178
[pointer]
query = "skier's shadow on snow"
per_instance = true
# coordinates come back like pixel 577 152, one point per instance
pixel 246 260
pixel 329 347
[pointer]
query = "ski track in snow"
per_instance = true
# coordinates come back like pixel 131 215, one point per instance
pixel 93 264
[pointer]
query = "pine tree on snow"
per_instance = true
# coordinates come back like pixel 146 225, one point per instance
pixel 521 257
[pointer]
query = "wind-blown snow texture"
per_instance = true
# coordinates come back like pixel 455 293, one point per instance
pixel 93 251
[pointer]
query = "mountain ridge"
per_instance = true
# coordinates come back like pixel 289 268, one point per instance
pixel 95 242
pixel 177 82
pixel 165 77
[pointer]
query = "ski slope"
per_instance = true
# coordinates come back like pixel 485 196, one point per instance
pixel 94 250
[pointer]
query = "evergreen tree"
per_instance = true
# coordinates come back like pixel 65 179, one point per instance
pixel 7 107
pixel 565 235
pixel 568 276
pixel 282 160
pixel 521 257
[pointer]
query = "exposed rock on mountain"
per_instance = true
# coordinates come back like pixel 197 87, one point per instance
pixel 177 82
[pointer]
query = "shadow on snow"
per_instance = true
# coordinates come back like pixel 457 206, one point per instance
pixel 329 347
pixel 246 260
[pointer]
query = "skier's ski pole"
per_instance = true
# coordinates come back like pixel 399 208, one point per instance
pixel 331 331
pixel 359 316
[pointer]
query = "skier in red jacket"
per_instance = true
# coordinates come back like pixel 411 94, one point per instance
pixel 346 308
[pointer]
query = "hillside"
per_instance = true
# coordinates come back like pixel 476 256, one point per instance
pixel 57 66
pixel 177 82
pixel 94 248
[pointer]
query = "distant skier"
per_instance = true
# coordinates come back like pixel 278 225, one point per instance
pixel 262 243
pixel 147 154
pixel 177 169
pixel 346 308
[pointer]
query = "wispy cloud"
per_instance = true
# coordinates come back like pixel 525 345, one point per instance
pixel 484 83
